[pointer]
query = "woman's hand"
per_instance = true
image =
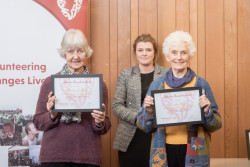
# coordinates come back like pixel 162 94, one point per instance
pixel 50 105
pixel 148 102
pixel 204 103
pixel 99 116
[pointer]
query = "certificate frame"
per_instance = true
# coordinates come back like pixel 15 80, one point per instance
pixel 248 143
pixel 177 106
pixel 77 92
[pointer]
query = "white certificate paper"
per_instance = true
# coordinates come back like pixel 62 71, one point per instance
pixel 177 106
pixel 77 93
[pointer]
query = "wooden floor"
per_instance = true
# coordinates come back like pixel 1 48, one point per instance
pixel 229 162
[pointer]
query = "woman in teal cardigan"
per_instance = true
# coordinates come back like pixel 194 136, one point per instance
pixel 183 145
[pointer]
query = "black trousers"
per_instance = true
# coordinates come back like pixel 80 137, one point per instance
pixel 65 164
pixel 176 155
pixel 138 152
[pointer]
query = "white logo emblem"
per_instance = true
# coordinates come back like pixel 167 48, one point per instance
pixel 72 13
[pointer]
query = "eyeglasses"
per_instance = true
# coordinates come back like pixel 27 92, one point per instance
pixel 78 51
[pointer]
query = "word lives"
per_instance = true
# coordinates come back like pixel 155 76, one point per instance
pixel 33 80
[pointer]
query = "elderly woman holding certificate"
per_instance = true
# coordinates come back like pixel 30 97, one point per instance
pixel 188 144
pixel 71 139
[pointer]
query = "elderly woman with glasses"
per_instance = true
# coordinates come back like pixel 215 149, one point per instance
pixel 71 139
pixel 184 145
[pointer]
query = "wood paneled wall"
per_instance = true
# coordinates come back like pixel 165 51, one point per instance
pixel 220 29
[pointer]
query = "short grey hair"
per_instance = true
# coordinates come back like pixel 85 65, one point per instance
pixel 176 37
pixel 74 38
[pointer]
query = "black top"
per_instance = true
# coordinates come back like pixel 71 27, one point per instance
pixel 146 80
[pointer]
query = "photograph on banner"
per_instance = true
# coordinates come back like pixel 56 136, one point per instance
pixel 32 135
pixel 77 93
pixel 18 156
pixel 11 127
pixel 15 129
pixel 179 106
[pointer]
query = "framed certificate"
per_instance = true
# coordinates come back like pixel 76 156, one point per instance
pixel 77 93
pixel 178 106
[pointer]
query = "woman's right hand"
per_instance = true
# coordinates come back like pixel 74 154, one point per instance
pixel 50 105
pixel 148 102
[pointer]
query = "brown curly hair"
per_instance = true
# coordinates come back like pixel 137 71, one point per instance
pixel 146 38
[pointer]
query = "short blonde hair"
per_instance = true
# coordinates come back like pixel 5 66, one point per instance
pixel 74 38
pixel 176 37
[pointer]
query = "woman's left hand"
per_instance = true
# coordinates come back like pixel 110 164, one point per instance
pixel 204 103
pixel 99 116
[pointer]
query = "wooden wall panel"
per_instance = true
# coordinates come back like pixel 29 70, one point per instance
pixel 201 41
pixel 123 34
pixel 231 117
pixel 193 29
pixel 134 28
pixel 215 65
pixel 148 17
pixel 220 31
pixel 100 57
pixel 113 5
pixel 182 15
pixel 243 73
pixel 166 25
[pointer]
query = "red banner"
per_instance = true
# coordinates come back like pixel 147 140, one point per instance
pixel 70 13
